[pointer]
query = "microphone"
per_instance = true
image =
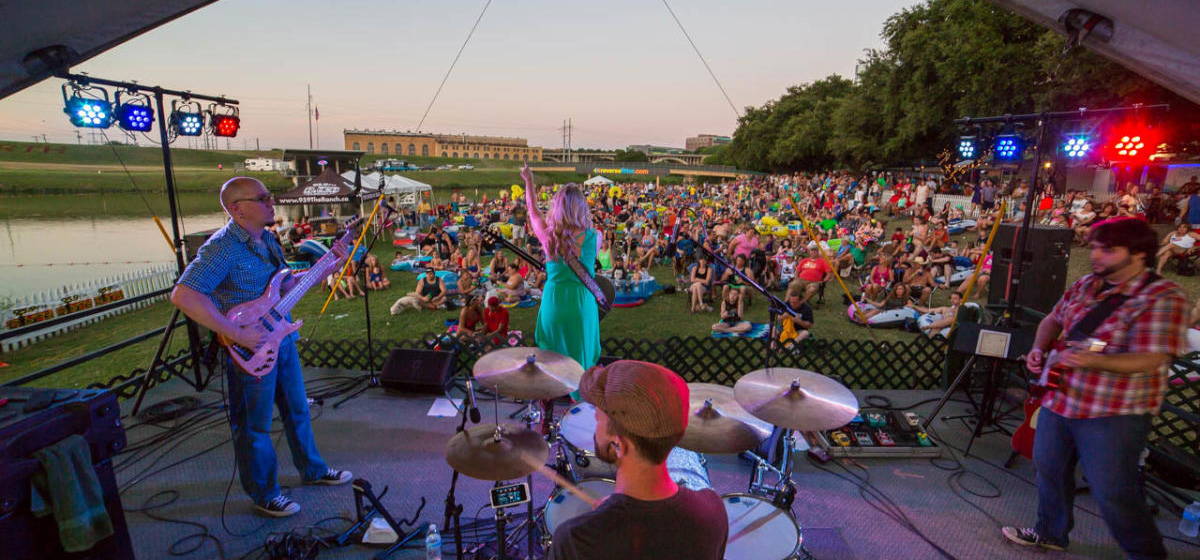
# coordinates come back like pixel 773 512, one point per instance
pixel 475 417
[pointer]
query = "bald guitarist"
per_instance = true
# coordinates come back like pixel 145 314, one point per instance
pixel 233 267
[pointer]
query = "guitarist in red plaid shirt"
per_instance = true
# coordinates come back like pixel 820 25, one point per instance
pixel 1099 415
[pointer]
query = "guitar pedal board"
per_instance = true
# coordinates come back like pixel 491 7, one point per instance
pixel 879 433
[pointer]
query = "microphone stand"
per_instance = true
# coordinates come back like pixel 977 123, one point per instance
pixel 775 306
pixel 372 376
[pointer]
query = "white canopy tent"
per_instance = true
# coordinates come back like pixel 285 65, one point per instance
pixel 407 190
pixel 598 180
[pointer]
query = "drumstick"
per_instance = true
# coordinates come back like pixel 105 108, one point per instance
pixel 559 480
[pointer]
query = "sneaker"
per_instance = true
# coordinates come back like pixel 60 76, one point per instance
pixel 279 506
pixel 333 477
pixel 1029 537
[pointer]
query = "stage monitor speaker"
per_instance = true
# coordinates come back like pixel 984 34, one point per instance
pixel 193 241
pixel 1043 270
pixel 417 371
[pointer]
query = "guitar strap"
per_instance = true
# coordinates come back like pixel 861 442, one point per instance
pixel 1099 313
pixel 577 267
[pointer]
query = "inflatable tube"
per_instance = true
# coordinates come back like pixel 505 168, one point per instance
pixel 631 303
pixel 957 277
pixel 402 242
pixel 297 266
pixel 956 227
pixel 889 319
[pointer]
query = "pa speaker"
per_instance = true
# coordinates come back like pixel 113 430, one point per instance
pixel 1043 269
pixel 417 371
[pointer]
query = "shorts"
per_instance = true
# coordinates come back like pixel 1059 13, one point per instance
pixel 988 205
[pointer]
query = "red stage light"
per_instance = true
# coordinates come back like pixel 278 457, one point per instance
pixel 1132 143
pixel 226 125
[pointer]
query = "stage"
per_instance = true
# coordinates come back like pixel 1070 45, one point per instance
pixel 389 440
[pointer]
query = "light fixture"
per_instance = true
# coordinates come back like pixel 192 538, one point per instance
pixel 87 106
pixel 187 118
pixel 1077 145
pixel 1131 142
pixel 134 112
pixel 224 120
pixel 1008 147
pixel 967 147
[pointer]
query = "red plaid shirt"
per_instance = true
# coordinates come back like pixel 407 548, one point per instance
pixel 1153 319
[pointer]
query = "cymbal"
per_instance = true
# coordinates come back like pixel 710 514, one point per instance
pixel 797 399
pixel 477 453
pixel 718 424
pixel 528 373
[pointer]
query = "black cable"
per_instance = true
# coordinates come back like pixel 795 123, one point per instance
pixel 702 60
pixel 203 535
pixel 453 63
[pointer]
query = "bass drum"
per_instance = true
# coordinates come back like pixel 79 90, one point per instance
pixel 758 530
pixel 564 505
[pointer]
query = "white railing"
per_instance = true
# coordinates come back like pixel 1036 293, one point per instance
pixel 84 295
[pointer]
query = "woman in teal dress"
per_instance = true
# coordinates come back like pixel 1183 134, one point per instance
pixel 568 320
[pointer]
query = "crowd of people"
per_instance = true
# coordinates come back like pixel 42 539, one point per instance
pixel 887 238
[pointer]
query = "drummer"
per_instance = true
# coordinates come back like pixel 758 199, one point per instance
pixel 641 414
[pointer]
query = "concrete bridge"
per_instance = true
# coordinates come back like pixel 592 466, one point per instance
pixel 575 156
pixel 631 171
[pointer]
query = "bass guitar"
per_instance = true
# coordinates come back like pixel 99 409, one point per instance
pixel 268 314
pixel 1050 379
pixel 605 285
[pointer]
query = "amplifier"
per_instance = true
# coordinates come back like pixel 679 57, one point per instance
pixel 417 371
pixel 34 419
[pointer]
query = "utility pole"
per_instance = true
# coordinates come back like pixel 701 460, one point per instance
pixel 570 127
pixel 308 110
pixel 257 148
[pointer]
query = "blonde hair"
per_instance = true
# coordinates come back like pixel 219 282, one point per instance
pixel 568 216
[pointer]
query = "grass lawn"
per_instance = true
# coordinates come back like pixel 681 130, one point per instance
pixel 663 316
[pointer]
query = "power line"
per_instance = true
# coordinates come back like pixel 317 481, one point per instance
pixel 451 69
pixel 702 60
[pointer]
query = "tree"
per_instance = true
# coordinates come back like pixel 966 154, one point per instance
pixel 630 155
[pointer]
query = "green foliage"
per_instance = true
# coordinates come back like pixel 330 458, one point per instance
pixel 630 155
pixel 942 59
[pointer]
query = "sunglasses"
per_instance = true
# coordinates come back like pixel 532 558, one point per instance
pixel 260 199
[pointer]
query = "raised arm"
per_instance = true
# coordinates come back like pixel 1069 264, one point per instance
pixel 536 221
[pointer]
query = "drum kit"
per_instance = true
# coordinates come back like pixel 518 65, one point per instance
pixel 764 409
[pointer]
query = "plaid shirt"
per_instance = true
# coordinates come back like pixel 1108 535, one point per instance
pixel 1153 319
pixel 231 268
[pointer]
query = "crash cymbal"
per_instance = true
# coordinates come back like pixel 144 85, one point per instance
pixel 796 398
pixel 718 424
pixel 528 373
pixel 483 453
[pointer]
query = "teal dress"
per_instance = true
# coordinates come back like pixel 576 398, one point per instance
pixel 568 321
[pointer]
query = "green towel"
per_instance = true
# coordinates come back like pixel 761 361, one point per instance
pixel 69 480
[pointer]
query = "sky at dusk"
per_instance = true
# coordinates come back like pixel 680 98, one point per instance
pixel 620 69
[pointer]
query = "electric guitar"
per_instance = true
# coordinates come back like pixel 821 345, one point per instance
pixel 268 313
pixel 605 285
pixel 1051 379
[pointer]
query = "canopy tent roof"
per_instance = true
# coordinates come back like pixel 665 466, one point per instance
pixel 326 188
pixel 598 180
pixel 1155 39
pixel 42 36
pixel 393 184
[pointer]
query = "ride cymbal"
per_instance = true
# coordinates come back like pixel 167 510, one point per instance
pixel 487 453
pixel 528 373
pixel 797 399
pixel 718 424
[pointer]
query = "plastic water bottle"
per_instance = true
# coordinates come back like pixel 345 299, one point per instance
pixel 433 543
pixel 1190 523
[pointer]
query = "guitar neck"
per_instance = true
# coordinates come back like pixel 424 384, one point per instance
pixel 326 264
pixel 541 266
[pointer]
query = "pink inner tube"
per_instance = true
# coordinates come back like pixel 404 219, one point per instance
pixel 633 303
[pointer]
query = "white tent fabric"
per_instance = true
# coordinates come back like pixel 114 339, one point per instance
pixel 393 184
pixel 598 180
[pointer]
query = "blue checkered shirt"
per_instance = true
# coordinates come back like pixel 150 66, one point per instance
pixel 231 268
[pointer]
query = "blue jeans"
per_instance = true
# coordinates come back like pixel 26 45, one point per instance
pixel 1109 449
pixel 250 412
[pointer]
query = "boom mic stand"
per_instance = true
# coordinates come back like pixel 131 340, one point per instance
pixel 372 376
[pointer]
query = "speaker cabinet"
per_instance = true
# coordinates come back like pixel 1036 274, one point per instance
pixel 417 371
pixel 1043 269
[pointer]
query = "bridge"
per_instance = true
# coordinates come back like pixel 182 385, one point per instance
pixel 627 170
pixel 574 156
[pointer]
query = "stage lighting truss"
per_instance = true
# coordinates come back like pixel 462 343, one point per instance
pixel 1008 147
pixel 87 106
pixel 135 112
pixel 1077 145
pixel 224 120
pixel 187 118
pixel 968 148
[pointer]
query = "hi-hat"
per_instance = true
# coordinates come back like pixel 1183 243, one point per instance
pixel 718 424
pixel 487 453
pixel 797 399
pixel 528 373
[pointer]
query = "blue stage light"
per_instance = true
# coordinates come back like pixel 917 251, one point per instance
pixel 187 124
pixel 135 118
pixel 1077 145
pixel 1008 147
pixel 967 148
pixel 89 113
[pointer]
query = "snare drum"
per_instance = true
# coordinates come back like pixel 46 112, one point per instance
pixel 758 530
pixel 577 428
pixel 564 505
